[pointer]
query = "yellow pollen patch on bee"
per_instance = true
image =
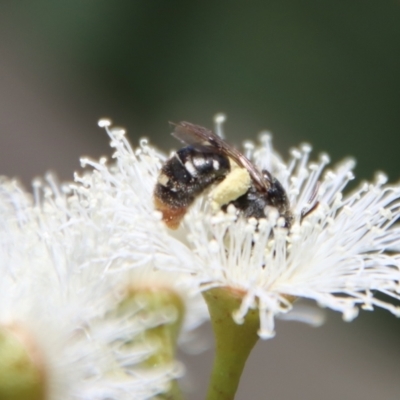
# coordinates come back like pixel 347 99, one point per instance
pixel 235 184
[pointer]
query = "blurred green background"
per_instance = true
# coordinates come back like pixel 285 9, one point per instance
pixel 325 72
pixel 322 72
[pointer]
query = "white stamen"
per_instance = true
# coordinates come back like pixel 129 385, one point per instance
pixel 104 122
pixel 219 120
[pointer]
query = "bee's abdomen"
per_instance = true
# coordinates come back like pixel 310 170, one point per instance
pixel 183 177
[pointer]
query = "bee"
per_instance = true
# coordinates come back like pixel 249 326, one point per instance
pixel 208 160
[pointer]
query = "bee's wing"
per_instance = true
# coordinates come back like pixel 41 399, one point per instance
pixel 197 135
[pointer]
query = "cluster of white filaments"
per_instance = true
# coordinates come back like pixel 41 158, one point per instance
pixel 340 250
pixel 67 257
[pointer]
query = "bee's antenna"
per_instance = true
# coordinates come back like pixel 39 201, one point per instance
pixel 219 120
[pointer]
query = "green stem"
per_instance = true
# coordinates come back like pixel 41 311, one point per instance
pixel 233 342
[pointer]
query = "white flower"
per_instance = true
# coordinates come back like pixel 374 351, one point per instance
pixel 341 250
pixel 65 269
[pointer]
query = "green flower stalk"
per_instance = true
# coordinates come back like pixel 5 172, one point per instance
pixel 233 342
